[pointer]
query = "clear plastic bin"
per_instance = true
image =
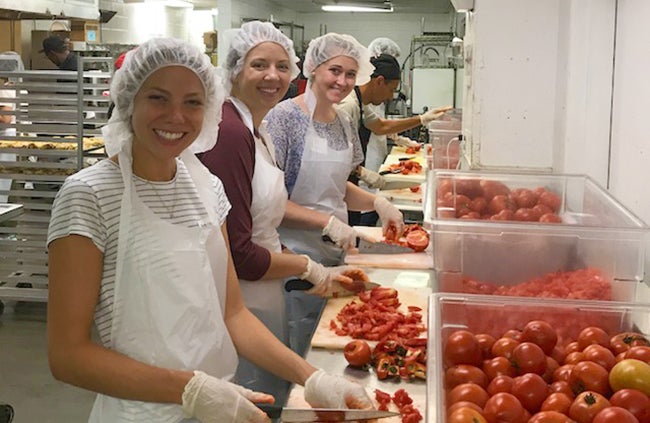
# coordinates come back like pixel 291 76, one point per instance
pixel 493 315
pixel 597 232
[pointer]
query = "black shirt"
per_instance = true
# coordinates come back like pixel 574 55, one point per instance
pixel 70 63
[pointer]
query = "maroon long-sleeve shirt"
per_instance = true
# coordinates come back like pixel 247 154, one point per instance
pixel 233 160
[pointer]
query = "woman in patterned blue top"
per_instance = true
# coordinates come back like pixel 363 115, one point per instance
pixel 318 149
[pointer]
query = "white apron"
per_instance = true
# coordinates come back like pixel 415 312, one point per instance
pixel 265 299
pixel 320 185
pixel 170 292
pixel 377 144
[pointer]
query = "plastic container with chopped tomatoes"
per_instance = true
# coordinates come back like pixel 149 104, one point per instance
pixel 455 320
pixel 505 229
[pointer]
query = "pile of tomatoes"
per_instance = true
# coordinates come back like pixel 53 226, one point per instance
pixel 413 149
pixel 404 404
pixel 405 167
pixel 414 236
pixel 493 200
pixel 527 376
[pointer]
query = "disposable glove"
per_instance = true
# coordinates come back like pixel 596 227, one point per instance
pixel 322 277
pixel 213 400
pixel 371 178
pixel 389 215
pixel 403 141
pixel 323 390
pixel 433 114
pixel 341 233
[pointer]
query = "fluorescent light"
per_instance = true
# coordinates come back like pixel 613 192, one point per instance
pixel 342 8
pixel 178 3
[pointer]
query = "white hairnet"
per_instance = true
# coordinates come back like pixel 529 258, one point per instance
pixel 383 45
pixel 244 39
pixel 331 45
pixel 138 65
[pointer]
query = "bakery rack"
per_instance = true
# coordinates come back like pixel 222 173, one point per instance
pixel 58 119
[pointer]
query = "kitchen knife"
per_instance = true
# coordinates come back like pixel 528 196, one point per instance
pixel 366 247
pixel 400 184
pixel 288 415
pixel 337 290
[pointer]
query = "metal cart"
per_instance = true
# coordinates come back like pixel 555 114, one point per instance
pixel 58 119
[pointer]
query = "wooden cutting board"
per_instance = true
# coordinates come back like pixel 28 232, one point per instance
pixel 326 338
pixel 419 261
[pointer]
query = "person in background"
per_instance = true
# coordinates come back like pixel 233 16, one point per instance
pixel 259 65
pixel 379 89
pixel 318 149
pixel 138 241
pixel 56 49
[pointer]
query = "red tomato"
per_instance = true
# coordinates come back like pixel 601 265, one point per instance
pixel 498 366
pixel 469 187
pixel 562 387
pixel 599 354
pixel 550 218
pixel 574 357
pixel 468 392
pixel 357 352
pixel 485 341
pixel 634 401
pixel 563 372
pixel 445 186
pixel 551 200
pixel 493 188
pixel 462 348
pixel 551 367
pixel 592 335
pixel 542 209
pixel 499 203
pixel 557 401
pixel 529 358
pixel 500 383
pixel 531 390
pixel 464 373
pixel 572 347
pixel 465 415
pixel 471 215
pixel 505 214
pixel 462 204
pixel 589 376
pixel 558 353
pixel 541 333
pixel 615 415
pixel 549 417
pixel 526 215
pixel 639 353
pixel 503 347
pixel 586 406
pixel 462 404
pixel 504 408
pixel 479 204
pixel 525 198
pixel 417 240
pixel 512 333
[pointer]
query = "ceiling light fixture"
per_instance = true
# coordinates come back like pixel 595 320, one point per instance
pixel 386 8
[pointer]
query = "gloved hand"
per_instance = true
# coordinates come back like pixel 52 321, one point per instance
pixel 341 233
pixel 323 390
pixel 403 141
pixel 322 277
pixel 373 179
pixel 433 114
pixel 389 215
pixel 213 400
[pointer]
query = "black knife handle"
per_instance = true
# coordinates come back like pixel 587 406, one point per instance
pixel 271 410
pixel 297 285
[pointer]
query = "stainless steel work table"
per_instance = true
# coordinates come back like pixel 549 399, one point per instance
pixel 334 362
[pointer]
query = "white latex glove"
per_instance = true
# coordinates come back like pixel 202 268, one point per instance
pixel 341 233
pixel 388 214
pixel 322 277
pixel 373 179
pixel 433 114
pixel 323 390
pixel 403 141
pixel 213 400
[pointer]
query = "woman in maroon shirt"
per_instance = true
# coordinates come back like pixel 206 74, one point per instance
pixel 260 64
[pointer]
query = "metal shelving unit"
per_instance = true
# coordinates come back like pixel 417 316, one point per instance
pixel 58 119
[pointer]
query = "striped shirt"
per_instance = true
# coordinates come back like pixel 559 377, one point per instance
pixel 88 204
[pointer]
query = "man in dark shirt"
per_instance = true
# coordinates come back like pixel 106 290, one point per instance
pixel 56 49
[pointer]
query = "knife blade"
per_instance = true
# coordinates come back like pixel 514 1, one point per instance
pixel 337 290
pixel 366 247
pixel 400 184
pixel 289 415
